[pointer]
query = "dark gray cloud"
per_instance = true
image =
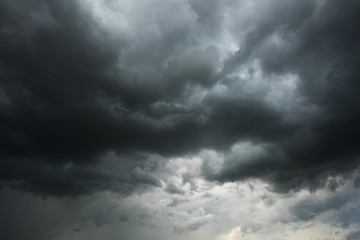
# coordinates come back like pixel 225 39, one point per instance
pixel 353 235
pixel 161 81
pixel 116 173
pixel 173 189
pixel 310 208
pixel 321 47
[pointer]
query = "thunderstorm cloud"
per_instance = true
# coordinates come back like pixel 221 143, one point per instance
pixel 186 119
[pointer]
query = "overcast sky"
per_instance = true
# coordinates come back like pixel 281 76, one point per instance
pixel 179 119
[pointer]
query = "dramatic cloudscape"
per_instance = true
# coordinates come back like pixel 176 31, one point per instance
pixel 179 119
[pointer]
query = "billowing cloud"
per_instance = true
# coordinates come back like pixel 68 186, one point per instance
pixel 170 107
pixel 82 79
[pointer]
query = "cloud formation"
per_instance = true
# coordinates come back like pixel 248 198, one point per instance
pixel 269 87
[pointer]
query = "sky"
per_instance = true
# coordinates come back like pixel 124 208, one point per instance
pixel 179 119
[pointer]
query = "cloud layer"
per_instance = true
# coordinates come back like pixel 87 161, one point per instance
pixel 193 100
pixel 83 79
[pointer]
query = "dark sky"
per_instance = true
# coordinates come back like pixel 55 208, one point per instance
pixel 107 106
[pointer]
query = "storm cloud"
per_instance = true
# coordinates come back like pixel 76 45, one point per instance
pixel 182 97
pixel 74 88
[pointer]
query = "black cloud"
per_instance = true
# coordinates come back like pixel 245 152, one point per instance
pixel 325 54
pixel 71 92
